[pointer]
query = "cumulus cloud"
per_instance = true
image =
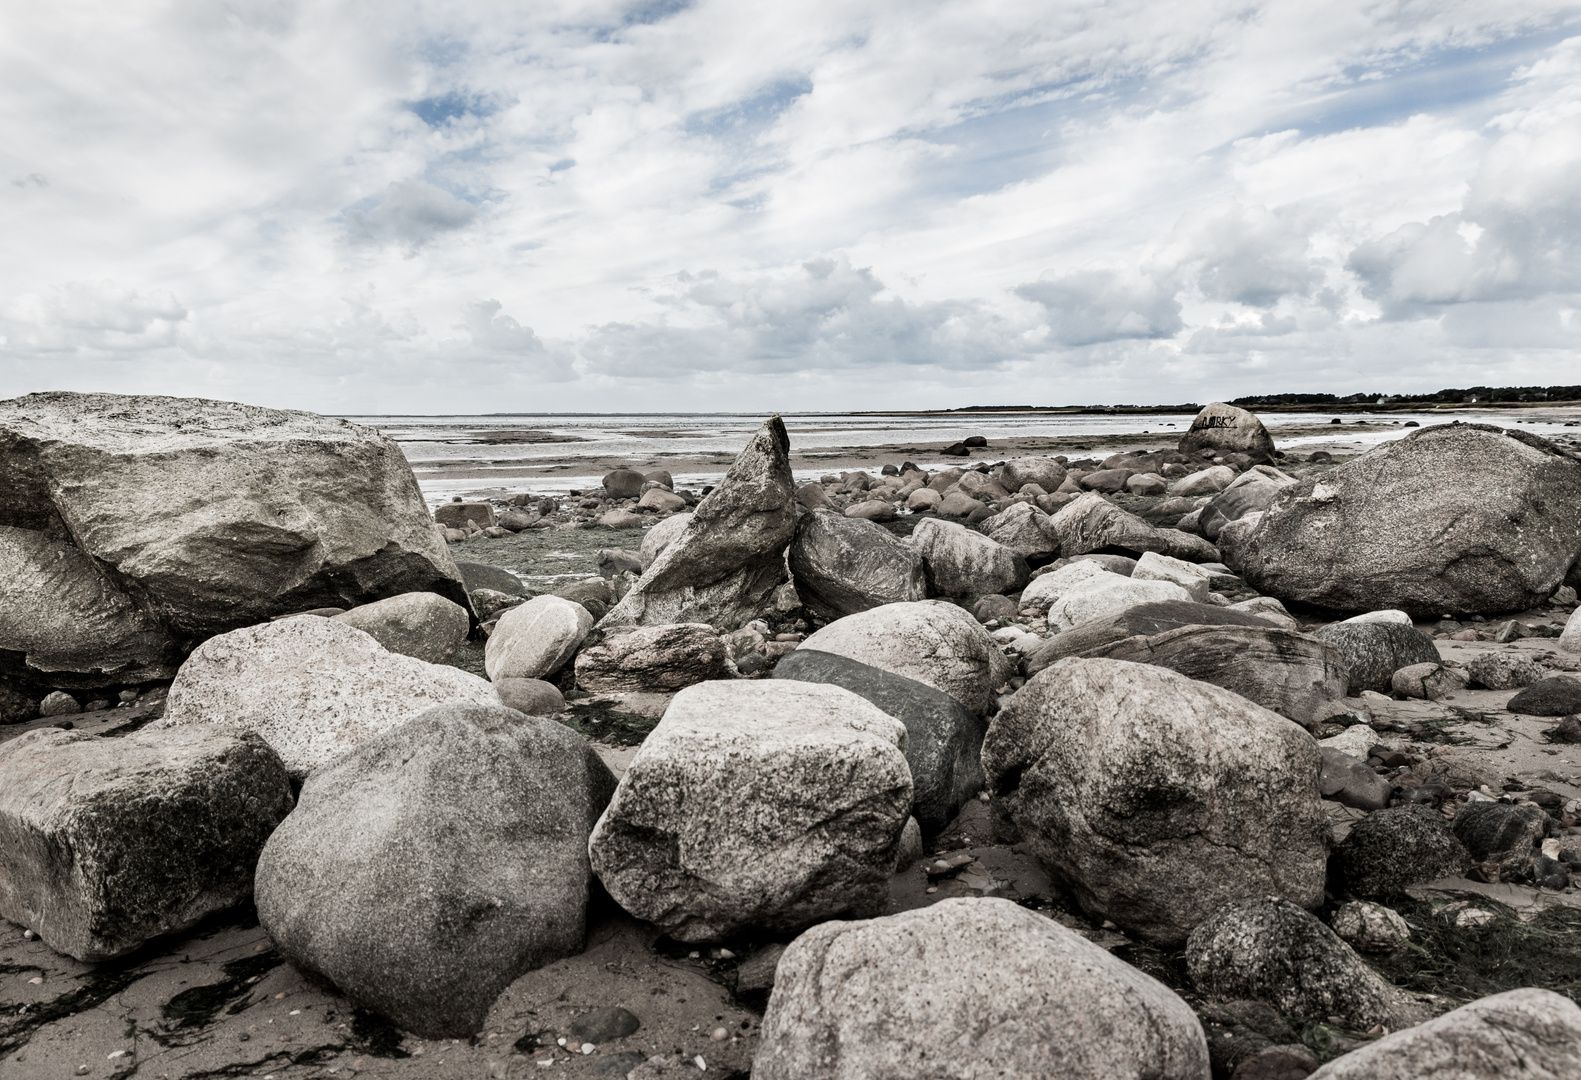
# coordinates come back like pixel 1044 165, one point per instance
pixel 99 316
pixel 409 212
pixel 1093 306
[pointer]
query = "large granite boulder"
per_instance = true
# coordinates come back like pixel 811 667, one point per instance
pixel 1023 528
pixel 651 659
pixel 1226 429
pixel 1144 619
pixel 1091 523
pixel 427 869
pixel 844 565
pixel 1374 651
pixel 944 739
pixel 1290 673
pixel 106 843
pixel 1045 472
pixel 313 688
pixel 757 804
pixel 65 622
pixel 1251 492
pixel 931 641
pixel 1104 594
pixel 209 516
pixel 419 624
pixel 536 639
pixel 970 989
pixel 661 536
pixel 964 562
pixel 728 560
pixel 1265 948
pixel 1527 1033
pixel 1157 799
pixel 1502 839
pixel 1459 518
pixel 1556 695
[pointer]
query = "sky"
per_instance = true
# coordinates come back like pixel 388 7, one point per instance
pixel 430 207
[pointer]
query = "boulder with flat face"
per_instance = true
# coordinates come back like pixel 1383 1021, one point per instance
pixel 1145 620
pixel 651 659
pixel 1157 799
pixel 768 804
pixel 420 624
pixel 934 642
pixel 729 558
pixel 1457 518
pixel 967 989
pixel 1045 472
pixel 427 869
pixel 312 688
pixel 1090 523
pixel 964 562
pixel 107 843
pixel 213 515
pixel 537 638
pixel 843 565
pixel 1374 651
pixel 1226 429
pixel 1023 528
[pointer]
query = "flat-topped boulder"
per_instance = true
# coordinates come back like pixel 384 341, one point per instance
pixel 1227 429
pixel 1143 620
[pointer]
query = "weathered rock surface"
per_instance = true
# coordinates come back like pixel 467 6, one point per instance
pixel 931 641
pixel 496 578
pixel 1157 799
pixel 1387 852
pixel 1570 636
pixel 107 843
pixel 842 565
pixel 536 638
pixel 1209 481
pixel 1350 781
pixel 651 658
pixel 420 624
pixel 1046 473
pixel 1143 619
pixel 1252 492
pixel 1460 518
pixel 428 868
pixel 65 623
pixel 1226 429
pixel 216 515
pixel 1504 671
pixel 1500 837
pixel 1374 651
pixel 1023 528
pixel 1104 594
pixel 1527 1033
pixel 1189 576
pixel 1268 949
pixel 1557 695
pixel 312 688
pixel 662 536
pixel 1045 589
pixel 1091 523
pixel 1369 927
pixel 531 696
pixel 963 562
pixel 770 804
pixel 943 738
pixel 730 557
pixel 968 989
pixel 1429 682
pixel 1290 673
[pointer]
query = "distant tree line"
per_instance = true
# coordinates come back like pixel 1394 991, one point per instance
pixel 1470 395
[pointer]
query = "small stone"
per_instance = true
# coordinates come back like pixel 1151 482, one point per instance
pixel 58 703
pixel 605 1025
pixel 719 1034
pixel 1473 918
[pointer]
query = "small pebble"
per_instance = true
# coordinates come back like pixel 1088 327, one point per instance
pixel 933 889
pixel 83 1070
pixel 37 980
pixel 28 935
pixel 719 1034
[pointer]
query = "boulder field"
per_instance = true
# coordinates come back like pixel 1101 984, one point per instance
pixel 1184 763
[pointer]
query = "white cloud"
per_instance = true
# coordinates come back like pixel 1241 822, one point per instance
pixel 620 205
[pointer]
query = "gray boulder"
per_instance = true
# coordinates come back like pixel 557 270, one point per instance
pixel 613 562
pixel 1504 671
pixel 1350 781
pixel 1502 838
pixel 427 869
pixel 651 658
pixel 757 804
pixel 1143 619
pixel 1430 682
pixel 214 515
pixel 843 565
pixel 1209 481
pixel 1526 1033
pixel 1090 523
pixel 496 578
pixel 531 696
pixel 1461 518
pixel 931 641
pixel 1104 594
pixel 1268 949
pixel 1045 472
pixel 537 638
pixel 1226 429
pixel 1557 695
pixel 1282 670
pixel 1023 528
pixel 623 483
pixel 1371 928
pixel 312 688
pixel 420 624
pixel 107 843
pixel 1391 850
pixel 1374 651
pixel 943 738
pixel 65 622
pixel 967 989
pixel 1157 799
pixel 661 536
pixel 730 557
pixel 963 562
pixel 1251 492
